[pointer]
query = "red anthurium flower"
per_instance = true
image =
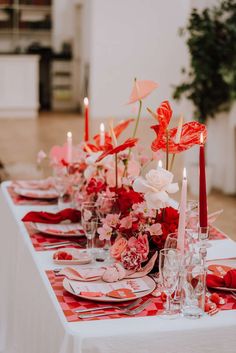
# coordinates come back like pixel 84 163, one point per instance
pixel 118 129
pixel 131 142
pixel 164 114
pixel 190 136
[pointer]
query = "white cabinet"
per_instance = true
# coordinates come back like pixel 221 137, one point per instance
pixel 19 86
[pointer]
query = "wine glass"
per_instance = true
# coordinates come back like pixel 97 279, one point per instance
pixel 61 183
pixel 169 267
pixel 88 210
pixel 90 228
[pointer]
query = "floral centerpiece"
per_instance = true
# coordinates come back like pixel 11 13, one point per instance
pixel 145 212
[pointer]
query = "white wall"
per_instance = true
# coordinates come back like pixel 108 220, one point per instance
pixel 135 38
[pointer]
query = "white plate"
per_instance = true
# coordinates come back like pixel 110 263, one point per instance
pixel 59 230
pixel 37 194
pixel 80 257
pixel 148 280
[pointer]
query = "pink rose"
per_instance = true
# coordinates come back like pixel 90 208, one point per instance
pixel 131 260
pixel 140 245
pixel 118 248
pixel 111 220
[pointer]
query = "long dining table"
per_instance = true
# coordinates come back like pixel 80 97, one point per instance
pixel 32 319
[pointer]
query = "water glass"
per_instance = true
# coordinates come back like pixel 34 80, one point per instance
pixel 194 292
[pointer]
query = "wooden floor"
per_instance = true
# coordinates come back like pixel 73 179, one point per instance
pixel 21 139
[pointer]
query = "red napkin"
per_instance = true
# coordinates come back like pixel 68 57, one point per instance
pixel 214 281
pixel 229 280
pixel 53 218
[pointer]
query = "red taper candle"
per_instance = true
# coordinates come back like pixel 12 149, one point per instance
pixel 86 119
pixel 202 186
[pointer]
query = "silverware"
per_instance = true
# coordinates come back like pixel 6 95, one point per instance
pixel 128 312
pixel 62 244
pixel 132 305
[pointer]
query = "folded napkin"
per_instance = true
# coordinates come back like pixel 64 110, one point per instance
pixel 228 281
pixel 87 274
pixel 53 218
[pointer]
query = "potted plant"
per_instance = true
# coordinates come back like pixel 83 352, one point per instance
pixel 210 82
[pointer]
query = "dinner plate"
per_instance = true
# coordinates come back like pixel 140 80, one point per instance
pixel 225 262
pixel 148 280
pixel 80 257
pixel 37 194
pixel 59 230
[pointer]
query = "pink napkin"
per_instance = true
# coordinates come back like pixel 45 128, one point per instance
pixel 87 274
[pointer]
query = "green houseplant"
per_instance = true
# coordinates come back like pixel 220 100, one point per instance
pixel 211 79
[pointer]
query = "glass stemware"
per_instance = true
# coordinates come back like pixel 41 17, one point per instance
pixel 169 267
pixel 61 183
pixel 90 228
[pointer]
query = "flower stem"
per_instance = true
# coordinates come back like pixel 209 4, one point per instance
pixel 167 149
pixel 116 170
pixel 172 161
pixel 134 134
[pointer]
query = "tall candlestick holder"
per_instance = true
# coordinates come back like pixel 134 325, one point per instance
pixel 203 236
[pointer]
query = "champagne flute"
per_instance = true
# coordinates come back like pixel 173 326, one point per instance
pixel 169 267
pixel 90 228
pixel 61 183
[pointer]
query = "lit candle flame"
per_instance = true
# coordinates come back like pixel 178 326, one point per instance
pixel 201 138
pixel 69 134
pixel 160 164
pixel 184 173
pixel 86 101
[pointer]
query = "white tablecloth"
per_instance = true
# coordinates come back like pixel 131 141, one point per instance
pixel 31 320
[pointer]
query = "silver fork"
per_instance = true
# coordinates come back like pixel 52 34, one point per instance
pixel 126 311
pixel 62 244
pixel 129 306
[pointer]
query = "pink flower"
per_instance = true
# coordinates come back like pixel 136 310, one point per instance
pixel 118 248
pixel 141 89
pixel 140 245
pixel 143 209
pixel 155 229
pixel 133 168
pixel 111 220
pixel 126 222
pixel 131 260
pixel 105 232
pixel 41 156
